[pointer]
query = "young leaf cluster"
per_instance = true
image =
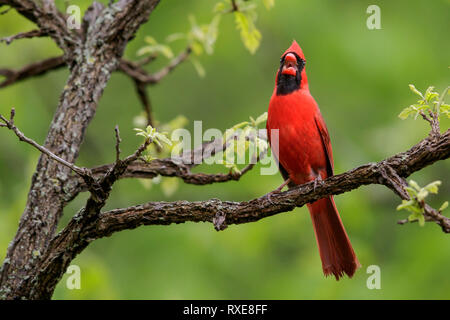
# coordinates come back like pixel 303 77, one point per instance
pixel 430 102
pixel 243 141
pixel 155 48
pixel 154 136
pixel 417 200
pixel 201 38
pixel 168 185
pixel 245 16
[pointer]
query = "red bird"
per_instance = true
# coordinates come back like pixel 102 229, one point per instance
pixel 303 151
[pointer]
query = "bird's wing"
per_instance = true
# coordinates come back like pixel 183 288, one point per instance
pixel 321 126
pixel 283 171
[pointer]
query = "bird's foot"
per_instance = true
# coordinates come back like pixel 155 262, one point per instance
pixel 276 191
pixel 316 181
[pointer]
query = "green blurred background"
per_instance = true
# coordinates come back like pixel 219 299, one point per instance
pixel 360 79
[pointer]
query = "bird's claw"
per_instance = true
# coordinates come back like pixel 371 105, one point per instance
pixel 276 191
pixel 317 180
pixel 270 194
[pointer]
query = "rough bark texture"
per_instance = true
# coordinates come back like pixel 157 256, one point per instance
pixel 404 164
pixel 91 60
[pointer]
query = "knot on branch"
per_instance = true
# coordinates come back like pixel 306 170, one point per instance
pixel 219 221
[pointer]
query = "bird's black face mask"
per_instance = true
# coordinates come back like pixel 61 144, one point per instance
pixel 290 73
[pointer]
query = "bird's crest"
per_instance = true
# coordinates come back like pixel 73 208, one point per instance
pixel 296 49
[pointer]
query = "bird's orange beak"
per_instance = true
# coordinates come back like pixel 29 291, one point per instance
pixel 290 65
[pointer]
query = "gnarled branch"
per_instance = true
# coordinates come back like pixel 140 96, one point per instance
pixel 403 164
pixel 80 232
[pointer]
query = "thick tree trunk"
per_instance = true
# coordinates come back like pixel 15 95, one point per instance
pixel 91 55
pixel 44 207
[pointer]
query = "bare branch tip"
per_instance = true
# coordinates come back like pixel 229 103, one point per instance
pixel 118 141
pixel 13 113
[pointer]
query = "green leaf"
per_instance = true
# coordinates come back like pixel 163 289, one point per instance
pixel 144 50
pixel 148 157
pixel 414 184
pixel 417 216
pixel 413 217
pixel 422 194
pixel 157 143
pixel 146 183
pixel 176 36
pixel 150 40
pixel 430 94
pixel 198 67
pixel 178 122
pixel 421 219
pixel 262 118
pixel 250 35
pixel 405 204
pixel 140 120
pixel 443 95
pixel 228 134
pixel 416 209
pixel 162 138
pixel 240 125
pixel 406 112
pixel 169 186
pixel 166 51
pixel 412 192
pixel 211 34
pixel 433 187
pixel 236 169
pixel 157 48
pixel 413 89
pixel 219 7
pixel 141 132
pixel 444 206
pixel 445 109
pixel 261 144
pixel 269 4
pixel 197 48
pixel 241 146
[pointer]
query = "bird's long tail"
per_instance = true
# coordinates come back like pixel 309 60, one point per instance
pixel 335 249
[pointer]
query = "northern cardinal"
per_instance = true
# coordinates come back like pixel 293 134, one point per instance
pixel 304 154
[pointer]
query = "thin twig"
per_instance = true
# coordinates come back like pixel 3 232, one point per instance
pixel 24 35
pixel 234 6
pixel 398 184
pixel 82 172
pixel 31 70
pixel 145 101
pixel 138 74
pixel 118 141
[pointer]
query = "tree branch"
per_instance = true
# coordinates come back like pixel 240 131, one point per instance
pixel 24 35
pixel 397 184
pixel 31 70
pixel 140 75
pixel 49 20
pixel 41 67
pixel 162 213
pixel 82 172
pixel 172 167
pixel 80 232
